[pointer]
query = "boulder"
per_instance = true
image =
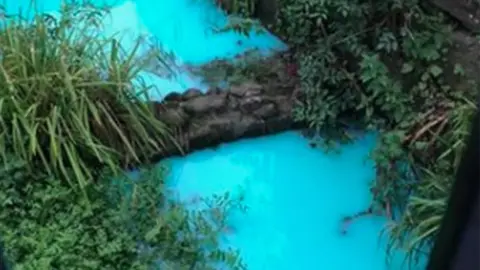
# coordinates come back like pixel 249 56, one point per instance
pixel 203 104
pixel 218 116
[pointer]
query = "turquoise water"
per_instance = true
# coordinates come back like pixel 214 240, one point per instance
pixel 296 196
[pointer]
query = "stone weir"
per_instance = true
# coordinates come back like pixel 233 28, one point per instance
pixel 202 120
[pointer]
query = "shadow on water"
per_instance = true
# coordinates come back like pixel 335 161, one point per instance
pixel 296 196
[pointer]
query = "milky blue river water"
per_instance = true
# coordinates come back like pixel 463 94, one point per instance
pixel 296 195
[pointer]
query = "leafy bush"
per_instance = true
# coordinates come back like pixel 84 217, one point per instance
pixel 45 224
pixel 383 65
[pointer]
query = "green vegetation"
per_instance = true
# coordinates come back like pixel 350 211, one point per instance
pixel 48 225
pixel 71 119
pixel 59 110
pixel 384 66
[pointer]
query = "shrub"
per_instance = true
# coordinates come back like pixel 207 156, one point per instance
pixel 45 224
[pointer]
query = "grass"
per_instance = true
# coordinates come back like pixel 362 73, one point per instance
pixel 71 119
pixel 67 96
pixel 420 223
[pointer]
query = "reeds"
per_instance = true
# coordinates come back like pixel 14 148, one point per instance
pixel 420 223
pixel 69 99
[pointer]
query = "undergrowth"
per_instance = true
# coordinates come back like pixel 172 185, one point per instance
pixel 384 66
pixel 124 224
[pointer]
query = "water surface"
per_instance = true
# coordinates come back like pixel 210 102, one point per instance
pixel 297 197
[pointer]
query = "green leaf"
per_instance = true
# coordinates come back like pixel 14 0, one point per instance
pixel 407 68
pixel 458 70
pixel 435 70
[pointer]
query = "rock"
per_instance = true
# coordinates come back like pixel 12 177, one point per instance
pixel 203 104
pixel 213 129
pixel 250 104
pixel 232 102
pixel 246 89
pixel 266 111
pixel 466 53
pixel 173 117
pixel 225 121
pixel 248 125
pixel 284 104
pixel 173 96
pixel 214 91
pixel 204 120
pixel 199 135
pixel 466 12
pixel 283 122
pixel 192 93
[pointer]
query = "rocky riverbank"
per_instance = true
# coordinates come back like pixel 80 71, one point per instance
pixel 250 109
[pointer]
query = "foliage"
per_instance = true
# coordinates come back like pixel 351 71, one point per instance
pixel 425 208
pixel 72 116
pixel 46 224
pixel 242 23
pixel 383 65
pixel 68 97
pixel 248 66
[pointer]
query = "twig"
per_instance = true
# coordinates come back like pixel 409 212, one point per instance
pixel 425 128
pixel 349 219
pixel 439 130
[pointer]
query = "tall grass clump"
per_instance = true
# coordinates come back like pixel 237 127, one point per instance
pixel 67 96
pixel 417 228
